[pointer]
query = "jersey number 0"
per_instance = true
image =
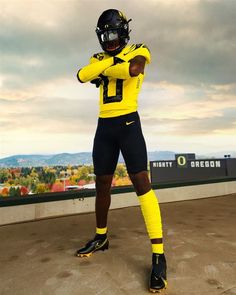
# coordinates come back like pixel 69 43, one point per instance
pixel 119 89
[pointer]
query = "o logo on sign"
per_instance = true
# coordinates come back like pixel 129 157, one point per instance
pixel 181 160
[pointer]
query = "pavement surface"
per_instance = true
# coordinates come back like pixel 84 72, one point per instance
pixel 37 258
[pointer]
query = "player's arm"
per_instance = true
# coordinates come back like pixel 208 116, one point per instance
pixel 93 70
pixel 124 70
pixel 137 65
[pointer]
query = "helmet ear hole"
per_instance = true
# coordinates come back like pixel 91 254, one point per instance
pixel 113 31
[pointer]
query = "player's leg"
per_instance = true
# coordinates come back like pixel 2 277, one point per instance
pixel 103 199
pixel 133 148
pixel 152 217
pixel 105 157
pixel 102 204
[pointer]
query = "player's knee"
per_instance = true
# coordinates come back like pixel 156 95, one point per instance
pixel 103 183
pixel 140 182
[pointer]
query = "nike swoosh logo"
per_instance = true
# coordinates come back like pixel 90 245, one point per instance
pixel 97 245
pixel 128 123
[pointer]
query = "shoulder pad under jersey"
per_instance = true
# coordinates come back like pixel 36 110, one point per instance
pixel 141 45
pixel 137 49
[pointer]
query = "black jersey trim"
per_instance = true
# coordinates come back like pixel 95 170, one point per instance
pixel 78 77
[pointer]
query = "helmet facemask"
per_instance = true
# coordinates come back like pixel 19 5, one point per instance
pixel 113 31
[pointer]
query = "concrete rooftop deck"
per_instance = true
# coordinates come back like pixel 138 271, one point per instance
pixel 36 258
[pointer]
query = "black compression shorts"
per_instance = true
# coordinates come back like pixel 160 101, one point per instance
pixel 117 134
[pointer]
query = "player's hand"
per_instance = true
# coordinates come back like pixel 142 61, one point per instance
pixel 96 82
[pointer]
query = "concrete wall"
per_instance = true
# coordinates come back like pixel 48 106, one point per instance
pixel 37 211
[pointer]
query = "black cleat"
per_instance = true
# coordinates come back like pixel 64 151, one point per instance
pixel 158 279
pixel 94 245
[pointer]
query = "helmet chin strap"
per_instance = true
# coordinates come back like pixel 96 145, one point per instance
pixel 114 52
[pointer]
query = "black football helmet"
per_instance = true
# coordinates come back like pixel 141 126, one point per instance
pixel 113 31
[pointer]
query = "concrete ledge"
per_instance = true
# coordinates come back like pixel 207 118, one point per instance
pixel 196 192
pixel 29 212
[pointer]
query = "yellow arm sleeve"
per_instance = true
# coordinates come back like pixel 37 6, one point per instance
pixel 118 71
pixel 93 70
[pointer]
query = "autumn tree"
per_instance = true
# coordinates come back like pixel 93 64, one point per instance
pixel 41 188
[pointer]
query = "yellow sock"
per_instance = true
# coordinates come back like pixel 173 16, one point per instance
pixel 152 217
pixel 157 248
pixel 101 231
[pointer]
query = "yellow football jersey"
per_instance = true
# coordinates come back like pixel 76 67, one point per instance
pixel 120 97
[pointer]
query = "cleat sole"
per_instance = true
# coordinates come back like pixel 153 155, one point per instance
pixel 102 248
pixel 84 255
pixel 160 290
pixel 157 291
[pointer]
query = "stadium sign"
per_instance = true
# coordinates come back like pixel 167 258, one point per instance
pixel 186 168
pixel 163 164
pixel 205 164
pixel 188 164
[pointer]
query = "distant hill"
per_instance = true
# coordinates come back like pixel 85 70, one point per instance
pixel 65 159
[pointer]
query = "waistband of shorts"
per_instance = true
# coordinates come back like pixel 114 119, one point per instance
pixel 122 118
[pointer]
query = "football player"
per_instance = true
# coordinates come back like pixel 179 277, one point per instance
pixel 118 71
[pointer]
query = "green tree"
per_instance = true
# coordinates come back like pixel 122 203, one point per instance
pixel 47 177
pixel 4 175
pixel 83 173
pixel 120 171
pixel 34 185
pixel 25 171
pixel 14 192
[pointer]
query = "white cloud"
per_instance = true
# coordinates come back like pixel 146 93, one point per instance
pixel 187 98
pixel 182 102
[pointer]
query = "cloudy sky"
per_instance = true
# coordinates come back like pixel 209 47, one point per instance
pixel 188 99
